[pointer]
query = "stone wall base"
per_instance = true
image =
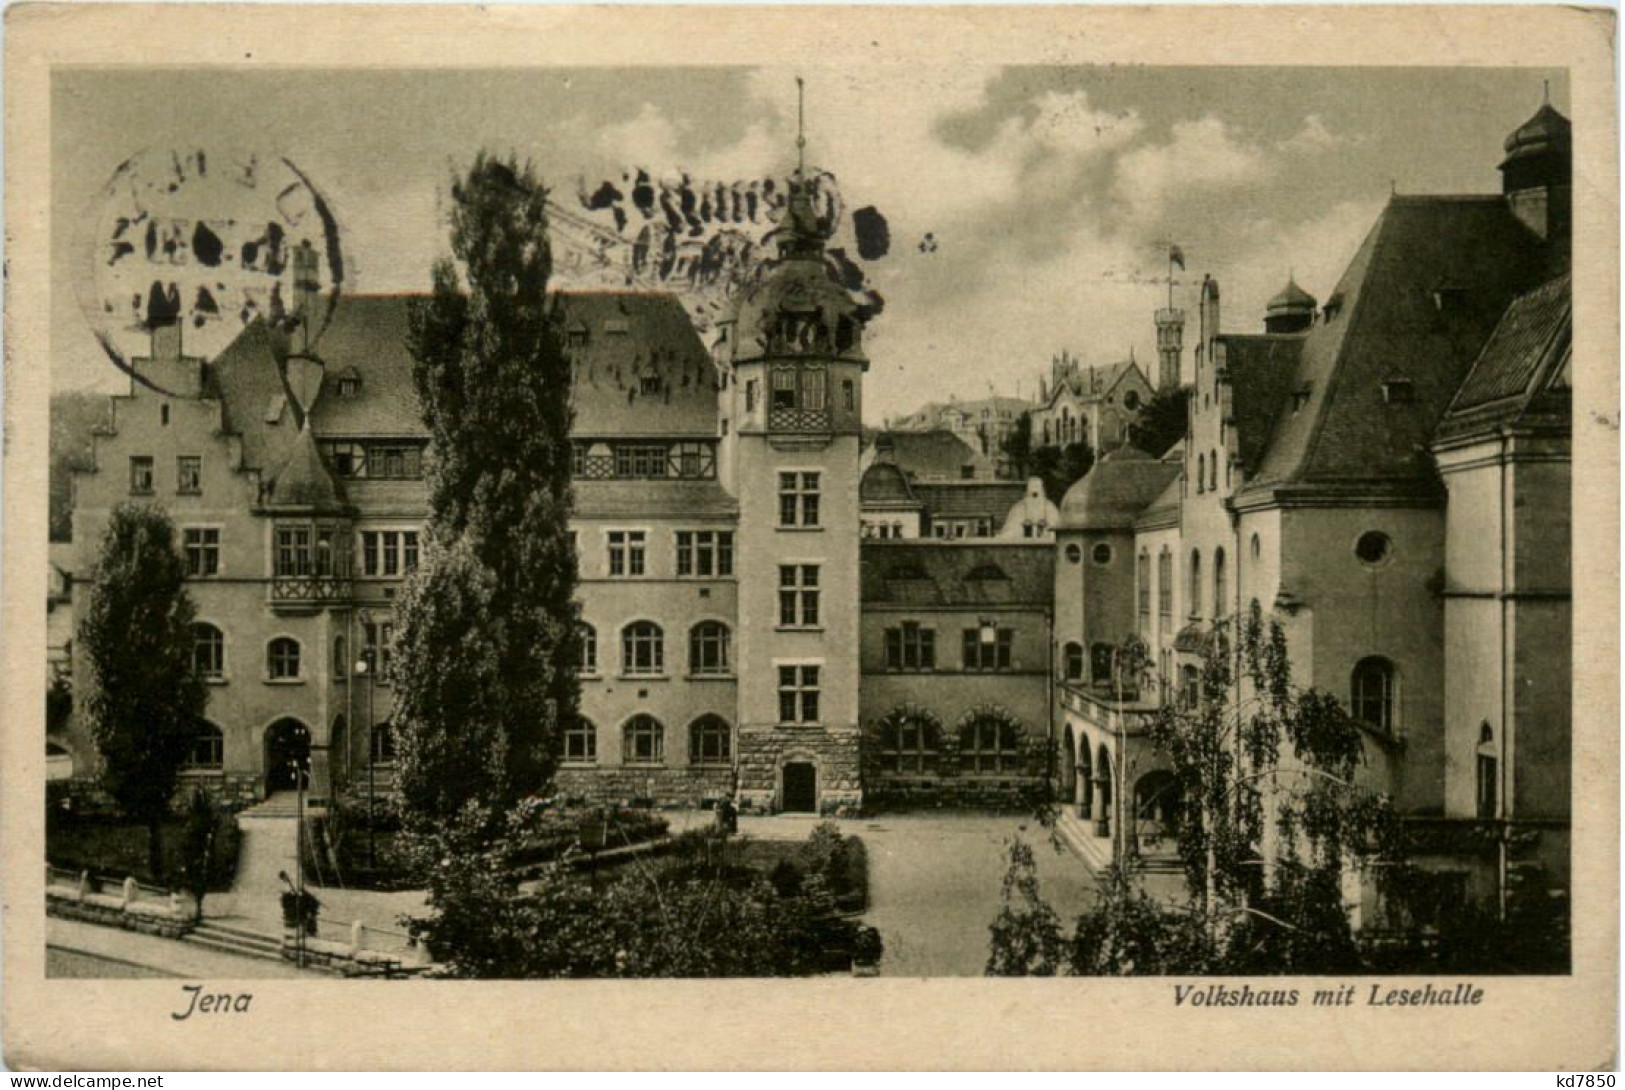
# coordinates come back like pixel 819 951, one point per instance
pixel 832 751
pixel 664 787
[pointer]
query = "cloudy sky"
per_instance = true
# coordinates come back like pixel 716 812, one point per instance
pixel 1050 193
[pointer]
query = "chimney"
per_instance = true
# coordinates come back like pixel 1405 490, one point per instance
pixel 168 368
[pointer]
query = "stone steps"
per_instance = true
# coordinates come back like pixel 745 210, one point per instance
pixel 234 940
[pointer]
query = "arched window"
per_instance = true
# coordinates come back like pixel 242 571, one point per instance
pixel 1257 547
pixel 909 743
pixel 383 743
pixel 341 657
pixel 1196 583
pixel 1100 663
pixel 1165 586
pixel 1190 687
pixel 208 749
pixel 1221 596
pixel 1201 474
pixel 1372 696
pixel 708 648
pixel 643 649
pixel 710 741
pixel 282 658
pixel 1213 471
pixel 1142 575
pixel 580 742
pixel 208 651
pixel 990 744
pixel 644 741
pixel 1074 662
pixel 588 635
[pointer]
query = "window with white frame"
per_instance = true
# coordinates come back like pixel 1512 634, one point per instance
pixel 580 742
pixel 911 647
pixel 705 553
pixel 282 659
pixel 643 650
pixel 710 741
pixel 202 548
pixel 626 553
pixel 798 595
pixel 587 635
pixel 388 553
pixel 207 752
pixel 987 649
pixel 708 650
pixel 1372 695
pixel 380 639
pixel 798 498
pixel 208 652
pixel 798 693
pixel 644 741
pixel 188 474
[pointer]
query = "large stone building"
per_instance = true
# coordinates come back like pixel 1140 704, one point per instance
pixel 1387 475
pixel 716 523
pixel 1095 406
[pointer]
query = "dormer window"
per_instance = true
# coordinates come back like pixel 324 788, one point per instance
pixel 1448 296
pixel 1398 391
pixel 649 383
pixel 1300 397
pixel 576 336
pixel 1332 307
pixel 617 325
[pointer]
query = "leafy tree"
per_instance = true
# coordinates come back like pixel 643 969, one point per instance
pixel 197 846
pixel 485 664
pixel 1061 467
pixel 145 700
pixel 698 917
pixel 1027 938
pixel 1270 818
pixel 1161 423
pixel 1018 445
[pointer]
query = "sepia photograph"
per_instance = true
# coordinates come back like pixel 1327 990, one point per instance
pixel 616 521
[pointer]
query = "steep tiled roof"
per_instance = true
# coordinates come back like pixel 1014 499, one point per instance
pixel 1260 368
pixel 1390 319
pixel 1115 490
pixel 884 484
pixel 1528 346
pixel 970 499
pixel 653 499
pixel 948 573
pixel 303 481
pixel 935 455
pixel 642 372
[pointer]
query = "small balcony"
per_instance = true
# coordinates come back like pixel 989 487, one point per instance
pixel 307 593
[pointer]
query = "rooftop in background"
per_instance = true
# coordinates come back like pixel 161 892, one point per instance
pixel 937 455
pixel 958 573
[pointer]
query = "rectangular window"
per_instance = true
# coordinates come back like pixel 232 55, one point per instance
pixel 798 595
pixel 188 474
pixel 988 649
pixel 1143 572
pixel 798 694
pixel 812 390
pixel 389 554
pixel 202 544
pixel 784 389
pixel 911 647
pixel 1487 793
pixel 1165 587
pixel 626 553
pixel 750 395
pixel 798 499
pixel 140 476
pixel 705 553
pixel 849 395
pixel 293 553
pixel 380 639
pixel 639 461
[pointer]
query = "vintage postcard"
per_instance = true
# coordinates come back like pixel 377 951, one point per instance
pixel 810 537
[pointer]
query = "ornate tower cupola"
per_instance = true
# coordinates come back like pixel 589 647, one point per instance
pixel 1291 311
pixel 1536 173
pixel 794 339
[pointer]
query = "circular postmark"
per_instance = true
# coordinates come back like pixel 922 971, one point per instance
pixel 185 249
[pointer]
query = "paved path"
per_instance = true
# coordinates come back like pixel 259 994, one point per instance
pixel 86 949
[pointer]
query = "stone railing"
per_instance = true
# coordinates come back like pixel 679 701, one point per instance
pixel 131 905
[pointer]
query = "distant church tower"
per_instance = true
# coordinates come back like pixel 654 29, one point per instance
pixel 1170 347
pixel 791 359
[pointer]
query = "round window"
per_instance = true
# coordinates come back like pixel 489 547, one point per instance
pixel 1373 548
pixel 1101 553
pixel 1074 553
pixel 1131 400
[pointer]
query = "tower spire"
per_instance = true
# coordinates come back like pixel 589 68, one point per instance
pixel 801 128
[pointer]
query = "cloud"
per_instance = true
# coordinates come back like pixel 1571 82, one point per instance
pixel 1315 137
pixel 1199 155
pixel 1066 123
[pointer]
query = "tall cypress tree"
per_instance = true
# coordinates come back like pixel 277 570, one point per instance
pixel 486 632
pixel 146 700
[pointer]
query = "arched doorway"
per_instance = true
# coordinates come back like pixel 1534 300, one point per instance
pixel 1103 788
pixel 1084 789
pixel 800 788
pixel 287 748
pixel 1157 805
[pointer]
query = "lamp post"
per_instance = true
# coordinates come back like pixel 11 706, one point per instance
pixel 300 767
pixel 367 666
